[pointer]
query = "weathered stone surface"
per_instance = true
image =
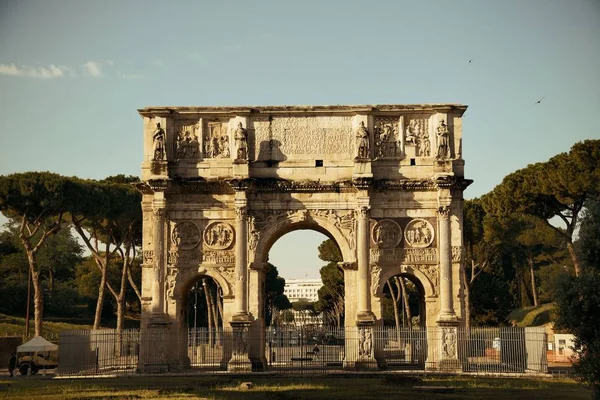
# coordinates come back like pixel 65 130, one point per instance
pixel 221 184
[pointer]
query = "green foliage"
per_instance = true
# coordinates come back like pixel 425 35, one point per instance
pixel 588 244
pixel 275 299
pixel 578 303
pixel 556 188
pixel 35 195
pixel 490 300
pixel 331 294
pixel 329 251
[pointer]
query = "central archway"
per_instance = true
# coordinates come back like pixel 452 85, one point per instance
pixel 337 225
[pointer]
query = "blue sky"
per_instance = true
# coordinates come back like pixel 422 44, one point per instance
pixel 73 74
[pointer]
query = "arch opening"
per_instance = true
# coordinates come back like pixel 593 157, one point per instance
pixel 403 302
pixel 305 255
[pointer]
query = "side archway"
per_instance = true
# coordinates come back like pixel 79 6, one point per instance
pixel 381 275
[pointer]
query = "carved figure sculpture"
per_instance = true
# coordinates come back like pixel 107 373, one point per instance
pixel 240 338
pixel 361 341
pixel 449 343
pixel 386 145
pixel 218 235
pixel 159 143
pixel 186 235
pixel 365 342
pixel 362 134
pixel 368 344
pixel 424 145
pixel 443 140
pixel 194 147
pixel 418 233
pixel 412 132
pixel 386 233
pixel 224 146
pixel 241 142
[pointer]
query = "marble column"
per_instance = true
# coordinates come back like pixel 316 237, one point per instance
pixel 447 306
pixel 240 320
pixel 158 227
pixel 241 262
pixel 364 296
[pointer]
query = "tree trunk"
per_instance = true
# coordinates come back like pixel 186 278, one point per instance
pixel 395 304
pixel 574 258
pixel 533 285
pixel 100 301
pixel 31 251
pixel 120 299
pixel 38 302
pixel 467 295
pixel 405 300
pixel 208 308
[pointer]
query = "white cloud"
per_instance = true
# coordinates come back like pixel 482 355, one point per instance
pixel 93 69
pixel 131 76
pixel 47 72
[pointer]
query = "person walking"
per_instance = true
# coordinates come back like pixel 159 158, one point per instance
pixel 12 364
pixel 316 351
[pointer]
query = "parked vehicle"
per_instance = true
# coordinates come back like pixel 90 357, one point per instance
pixel 37 361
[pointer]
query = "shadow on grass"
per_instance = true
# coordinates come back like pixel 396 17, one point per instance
pixel 283 388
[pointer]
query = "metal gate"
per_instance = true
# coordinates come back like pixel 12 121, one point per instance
pixel 305 349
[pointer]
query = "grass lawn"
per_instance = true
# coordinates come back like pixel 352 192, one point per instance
pixel 15 326
pixel 281 388
pixel 532 316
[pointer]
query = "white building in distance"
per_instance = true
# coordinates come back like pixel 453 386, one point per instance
pixel 304 290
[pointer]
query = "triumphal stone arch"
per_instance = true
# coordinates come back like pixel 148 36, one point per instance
pixel 221 184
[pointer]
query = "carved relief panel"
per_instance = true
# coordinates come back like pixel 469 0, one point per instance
pixel 184 250
pixel 416 133
pixel 186 144
pixel 218 235
pixel 185 235
pixel 216 140
pixel 419 233
pixel 386 141
pixel 386 234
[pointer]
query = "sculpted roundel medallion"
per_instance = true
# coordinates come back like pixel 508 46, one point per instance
pixel 386 233
pixel 418 233
pixel 218 235
pixel 186 235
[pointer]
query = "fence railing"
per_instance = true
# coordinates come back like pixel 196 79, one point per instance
pixel 310 350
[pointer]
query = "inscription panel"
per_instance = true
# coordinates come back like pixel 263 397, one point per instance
pixel 304 136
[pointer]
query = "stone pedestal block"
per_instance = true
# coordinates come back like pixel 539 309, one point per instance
pixel 239 362
pixel 362 169
pixel 241 169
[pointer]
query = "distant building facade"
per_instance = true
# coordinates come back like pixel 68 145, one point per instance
pixel 304 290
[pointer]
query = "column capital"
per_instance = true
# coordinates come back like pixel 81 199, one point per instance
pixel 158 213
pixel 443 212
pixel 363 211
pixel 241 211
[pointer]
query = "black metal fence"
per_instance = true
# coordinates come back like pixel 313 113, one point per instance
pixel 306 350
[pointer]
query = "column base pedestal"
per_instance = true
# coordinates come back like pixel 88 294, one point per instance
pixel 240 362
pixel 362 168
pixel 241 169
pixel 365 318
